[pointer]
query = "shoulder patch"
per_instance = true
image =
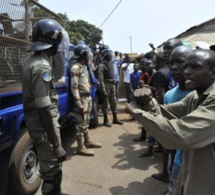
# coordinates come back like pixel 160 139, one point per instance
pixel 47 76
pixel 45 63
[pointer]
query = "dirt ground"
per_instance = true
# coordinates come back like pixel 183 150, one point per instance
pixel 115 169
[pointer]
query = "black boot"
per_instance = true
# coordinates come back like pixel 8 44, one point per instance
pixel 115 120
pixel 142 136
pixel 52 186
pixel 106 122
pixel 148 153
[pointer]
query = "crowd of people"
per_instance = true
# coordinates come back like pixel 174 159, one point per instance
pixel 182 120
pixel 165 76
pixel 170 92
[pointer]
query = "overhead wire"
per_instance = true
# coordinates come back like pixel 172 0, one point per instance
pixel 110 14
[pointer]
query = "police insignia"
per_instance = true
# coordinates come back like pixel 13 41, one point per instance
pixel 46 63
pixel 47 76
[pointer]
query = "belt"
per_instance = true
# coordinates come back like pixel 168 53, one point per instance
pixel 110 82
pixel 54 101
pixel 85 94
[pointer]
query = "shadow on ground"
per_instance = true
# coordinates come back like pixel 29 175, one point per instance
pixel 148 187
pixel 129 157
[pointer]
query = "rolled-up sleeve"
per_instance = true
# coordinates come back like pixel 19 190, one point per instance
pixel 41 88
pixel 101 76
pixel 75 72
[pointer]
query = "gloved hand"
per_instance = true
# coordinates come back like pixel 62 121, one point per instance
pixel 60 153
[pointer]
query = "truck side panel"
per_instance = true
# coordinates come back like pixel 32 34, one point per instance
pixel 11 121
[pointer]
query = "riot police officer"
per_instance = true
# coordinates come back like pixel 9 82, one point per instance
pixel 80 89
pixel 40 103
pixel 107 84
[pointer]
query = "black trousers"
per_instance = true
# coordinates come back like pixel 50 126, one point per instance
pixel 128 92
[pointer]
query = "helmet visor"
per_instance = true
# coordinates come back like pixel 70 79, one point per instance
pixel 109 55
pixel 64 45
pixel 90 57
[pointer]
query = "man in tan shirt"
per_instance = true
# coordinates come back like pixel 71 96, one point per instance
pixel 188 124
pixel 80 90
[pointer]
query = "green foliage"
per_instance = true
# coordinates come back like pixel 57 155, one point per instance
pixel 90 34
pixel 77 30
pixel 41 13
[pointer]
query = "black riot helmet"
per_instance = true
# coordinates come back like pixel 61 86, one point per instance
pixel 107 54
pixel 81 51
pixel 46 33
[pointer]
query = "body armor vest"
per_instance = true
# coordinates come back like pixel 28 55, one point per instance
pixel 109 71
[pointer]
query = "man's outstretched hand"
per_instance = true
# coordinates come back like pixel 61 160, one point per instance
pixel 130 107
pixel 143 96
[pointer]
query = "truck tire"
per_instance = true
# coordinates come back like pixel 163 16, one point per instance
pixel 95 120
pixel 24 174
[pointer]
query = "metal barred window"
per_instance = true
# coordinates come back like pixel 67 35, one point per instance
pixel 16 20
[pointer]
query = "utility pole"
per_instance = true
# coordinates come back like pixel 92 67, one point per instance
pixel 26 20
pixel 131 43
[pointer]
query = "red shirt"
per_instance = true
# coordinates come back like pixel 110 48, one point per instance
pixel 145 77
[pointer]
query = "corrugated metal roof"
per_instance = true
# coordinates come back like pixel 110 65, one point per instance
pixel 196 28
pixel 203 40
pixel 202 35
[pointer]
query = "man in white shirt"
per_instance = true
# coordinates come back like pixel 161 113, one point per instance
pixel 127 68
pixel 116 64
